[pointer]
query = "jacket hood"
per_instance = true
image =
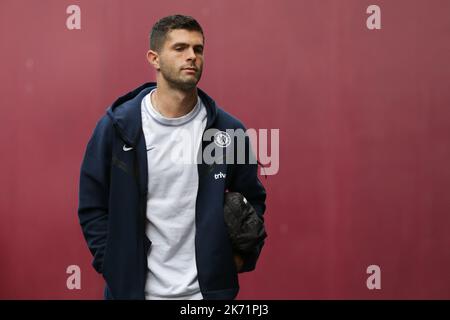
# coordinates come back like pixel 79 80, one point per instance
pixel 125 112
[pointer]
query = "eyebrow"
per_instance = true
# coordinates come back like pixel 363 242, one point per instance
pixel 184 44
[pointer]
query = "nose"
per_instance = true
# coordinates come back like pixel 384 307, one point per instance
pixel 191 54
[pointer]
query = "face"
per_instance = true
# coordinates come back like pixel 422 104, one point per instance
pixel 180 60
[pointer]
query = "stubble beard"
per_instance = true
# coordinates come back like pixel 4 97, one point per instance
pixel 176 81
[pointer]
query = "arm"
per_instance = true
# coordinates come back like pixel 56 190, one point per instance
pixel 245 181
pixel 94 191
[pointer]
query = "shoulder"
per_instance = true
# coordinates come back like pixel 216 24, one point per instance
pixel 102 133
pixel 104 125
pixel 228 120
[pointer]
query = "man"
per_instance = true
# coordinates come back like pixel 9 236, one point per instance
pixel 154 225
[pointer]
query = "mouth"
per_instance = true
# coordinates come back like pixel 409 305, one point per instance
pixel 190 69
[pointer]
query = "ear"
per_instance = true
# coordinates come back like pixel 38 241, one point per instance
pixel 153 58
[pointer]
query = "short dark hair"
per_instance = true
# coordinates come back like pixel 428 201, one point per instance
pixel 169 23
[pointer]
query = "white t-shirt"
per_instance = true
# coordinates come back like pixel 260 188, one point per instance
pixel 171 200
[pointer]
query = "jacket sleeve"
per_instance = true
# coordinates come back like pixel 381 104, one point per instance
pixel 94 191
pixel 245 181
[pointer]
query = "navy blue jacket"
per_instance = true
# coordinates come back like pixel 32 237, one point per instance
pixel 113 198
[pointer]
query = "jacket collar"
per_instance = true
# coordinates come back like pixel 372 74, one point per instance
pixel 125 112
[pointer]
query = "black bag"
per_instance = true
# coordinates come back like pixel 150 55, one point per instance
pixel 245 226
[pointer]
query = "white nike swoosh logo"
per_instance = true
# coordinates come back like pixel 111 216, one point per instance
pixel 125 148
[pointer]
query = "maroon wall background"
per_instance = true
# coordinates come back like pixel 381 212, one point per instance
pixel 364 119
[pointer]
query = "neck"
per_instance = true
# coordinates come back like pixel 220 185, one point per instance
pixel 172 102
